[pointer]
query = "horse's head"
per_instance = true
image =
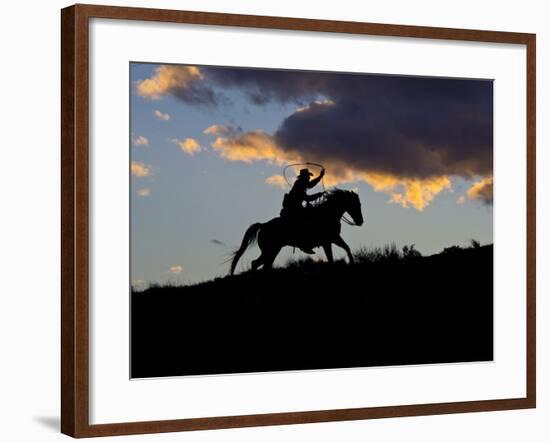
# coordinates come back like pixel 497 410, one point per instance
pixel 353 207
pixel 346 201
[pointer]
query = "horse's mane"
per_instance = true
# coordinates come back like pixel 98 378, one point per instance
pixel 330 196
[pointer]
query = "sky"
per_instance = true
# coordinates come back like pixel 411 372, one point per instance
pixel 209 146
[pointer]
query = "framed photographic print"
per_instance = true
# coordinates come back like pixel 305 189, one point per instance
pixel 275 220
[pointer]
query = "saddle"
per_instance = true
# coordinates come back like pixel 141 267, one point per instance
pixel 299 216
pixel 290 210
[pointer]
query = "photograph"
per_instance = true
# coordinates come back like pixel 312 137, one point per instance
pixel 285 220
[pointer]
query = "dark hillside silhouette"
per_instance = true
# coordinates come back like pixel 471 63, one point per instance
pixel 390 307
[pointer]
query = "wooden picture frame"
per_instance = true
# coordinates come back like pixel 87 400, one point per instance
pixel 75 220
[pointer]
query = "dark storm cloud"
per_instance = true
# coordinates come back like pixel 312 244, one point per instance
pixel 404 126
pixel 265 86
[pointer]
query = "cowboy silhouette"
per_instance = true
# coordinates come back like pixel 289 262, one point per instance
pixel 293 200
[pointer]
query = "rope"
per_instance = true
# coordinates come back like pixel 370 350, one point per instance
pixel 348 221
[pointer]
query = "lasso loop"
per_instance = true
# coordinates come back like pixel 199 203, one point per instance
pixel 320 166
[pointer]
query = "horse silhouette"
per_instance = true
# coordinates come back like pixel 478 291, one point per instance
pixel 317 226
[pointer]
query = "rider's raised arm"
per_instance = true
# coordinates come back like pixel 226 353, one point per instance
pixel 314 182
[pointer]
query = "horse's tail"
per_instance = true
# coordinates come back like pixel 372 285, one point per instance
pixel 249 239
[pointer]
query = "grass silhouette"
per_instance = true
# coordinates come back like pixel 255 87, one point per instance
pixel 392 307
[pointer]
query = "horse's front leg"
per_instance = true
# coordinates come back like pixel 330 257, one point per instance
pixel 328 251
pixel 341 243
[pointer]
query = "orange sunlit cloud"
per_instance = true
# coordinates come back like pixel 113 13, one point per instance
pixel 482 190
pixel 163 116
pixel 144 192
pixel 166 78
pixel 140 169
pixel 277 181
pixel 250 147
pixel 140 140
pixel 190 146
pixel 220 130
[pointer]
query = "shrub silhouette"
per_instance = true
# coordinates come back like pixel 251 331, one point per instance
pixel 410 252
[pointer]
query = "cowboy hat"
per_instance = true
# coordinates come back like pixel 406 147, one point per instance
pixel 305 172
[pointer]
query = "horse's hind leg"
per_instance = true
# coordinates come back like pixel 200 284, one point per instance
pixel 263 259
pixel 269 258
pixel 257 262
